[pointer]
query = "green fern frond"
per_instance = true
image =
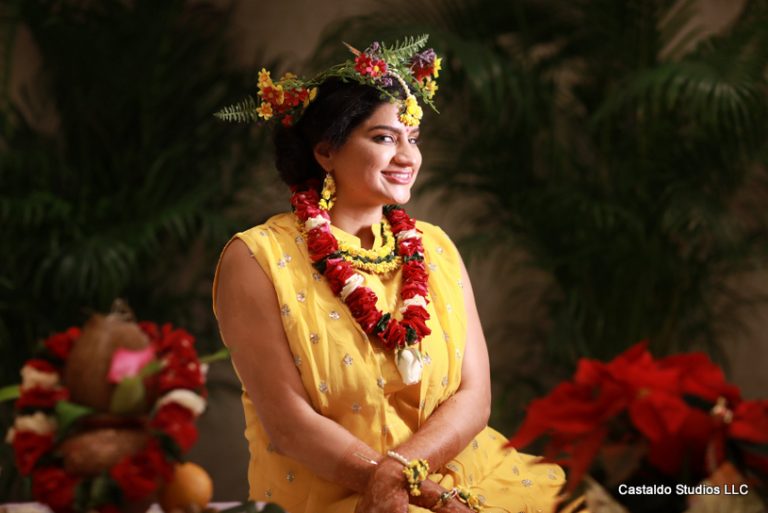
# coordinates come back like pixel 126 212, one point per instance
pixel 241 112
pixel 402 50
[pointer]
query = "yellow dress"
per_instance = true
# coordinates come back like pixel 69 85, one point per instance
pixel 353 381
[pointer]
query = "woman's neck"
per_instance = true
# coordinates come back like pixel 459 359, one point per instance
pixel 357 221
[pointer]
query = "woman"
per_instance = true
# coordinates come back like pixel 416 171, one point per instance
pixel 354 331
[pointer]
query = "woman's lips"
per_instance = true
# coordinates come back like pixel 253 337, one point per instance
pixel 398 177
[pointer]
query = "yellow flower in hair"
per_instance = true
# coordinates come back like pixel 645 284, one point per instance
pixel 264 110
pixel 437 67
pixel 312 95
pixel 430 87
pixel 264 79
pixel 288 76
pixel 408 120
pixel 412 106
pixel 273 94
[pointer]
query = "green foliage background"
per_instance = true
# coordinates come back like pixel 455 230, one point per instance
pixel 132 193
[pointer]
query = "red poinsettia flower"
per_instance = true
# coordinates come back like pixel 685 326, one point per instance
pixel 60 344
pixel 54 487
pixel 28 446
pixel 750 422
pixel 699 376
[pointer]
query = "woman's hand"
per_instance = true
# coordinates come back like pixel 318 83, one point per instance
pixel 386 491
pixel 430 496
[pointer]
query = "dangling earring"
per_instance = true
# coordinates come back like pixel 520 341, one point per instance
pixel 328 194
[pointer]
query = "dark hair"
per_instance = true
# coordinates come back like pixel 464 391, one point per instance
pixel 338 108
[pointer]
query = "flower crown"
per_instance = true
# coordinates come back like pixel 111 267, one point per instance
pixel 379 66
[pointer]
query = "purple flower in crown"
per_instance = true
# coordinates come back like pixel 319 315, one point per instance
pixel 425 64
pixel 374 49
pixel 386 81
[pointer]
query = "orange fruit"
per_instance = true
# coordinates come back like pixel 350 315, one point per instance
pixel 190 485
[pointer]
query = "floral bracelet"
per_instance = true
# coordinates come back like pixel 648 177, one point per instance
pixel 415 471
pixel 468 498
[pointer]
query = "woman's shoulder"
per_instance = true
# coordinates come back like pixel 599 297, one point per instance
pixel 433 236
pixel 279 224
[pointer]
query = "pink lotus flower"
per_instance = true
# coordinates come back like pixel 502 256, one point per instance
pixel 127 363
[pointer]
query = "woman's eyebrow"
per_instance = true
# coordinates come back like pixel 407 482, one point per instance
pixel 392 129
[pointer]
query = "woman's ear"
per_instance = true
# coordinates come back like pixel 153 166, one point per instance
pixel 324 155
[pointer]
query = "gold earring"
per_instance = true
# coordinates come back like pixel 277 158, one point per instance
pixel 328 194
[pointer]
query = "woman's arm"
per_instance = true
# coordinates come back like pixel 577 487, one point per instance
pixel 249 321
pixel 455 423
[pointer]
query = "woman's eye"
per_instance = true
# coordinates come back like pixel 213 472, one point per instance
pixel 413 140
pixel 384 138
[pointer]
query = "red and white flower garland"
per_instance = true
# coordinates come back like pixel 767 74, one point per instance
pixel 345 282
pixel 180 386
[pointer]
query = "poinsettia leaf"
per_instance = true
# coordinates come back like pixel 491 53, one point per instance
pixel 128 397
pixel 10 393
pixel 67 413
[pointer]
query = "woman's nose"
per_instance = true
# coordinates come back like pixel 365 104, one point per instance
pixel 407 154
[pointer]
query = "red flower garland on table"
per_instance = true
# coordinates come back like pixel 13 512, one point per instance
pixel 179 385
pixel 348 284
pixel 680 407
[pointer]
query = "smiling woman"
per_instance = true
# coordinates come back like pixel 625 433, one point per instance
pixel 353 328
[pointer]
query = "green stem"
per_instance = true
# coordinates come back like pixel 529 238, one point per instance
pixel 221 354
pixel 10 393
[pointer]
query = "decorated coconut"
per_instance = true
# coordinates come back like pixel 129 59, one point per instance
pixel 105 413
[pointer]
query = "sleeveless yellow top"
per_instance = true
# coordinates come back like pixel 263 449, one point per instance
pixel 352 380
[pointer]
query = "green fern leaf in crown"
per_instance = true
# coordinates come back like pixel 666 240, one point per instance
pixel 241 112
pixel 405 49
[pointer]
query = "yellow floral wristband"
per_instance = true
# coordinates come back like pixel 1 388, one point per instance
pixel 415 471
pixel 468 498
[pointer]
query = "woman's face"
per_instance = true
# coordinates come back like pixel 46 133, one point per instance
pixel 378 162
